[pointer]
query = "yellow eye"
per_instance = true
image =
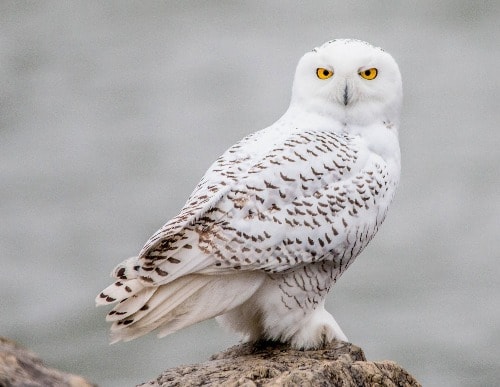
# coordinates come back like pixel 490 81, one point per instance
pixel 323 73
pixel 369 74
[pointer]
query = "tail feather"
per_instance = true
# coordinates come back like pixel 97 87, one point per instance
pixel 231 293
pixel 118 291
pixel 126 286
pixel 186 301
pixel 127 269
pixel 168 297
pixel 133 304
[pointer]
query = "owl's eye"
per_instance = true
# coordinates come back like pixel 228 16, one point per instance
pixel 369 74
pixel 323 73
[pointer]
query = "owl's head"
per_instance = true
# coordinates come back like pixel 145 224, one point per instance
pixel 350 81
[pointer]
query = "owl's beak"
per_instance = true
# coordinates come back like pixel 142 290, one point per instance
pixel 346 94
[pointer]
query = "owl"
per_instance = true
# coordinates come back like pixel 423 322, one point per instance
pixel 278 218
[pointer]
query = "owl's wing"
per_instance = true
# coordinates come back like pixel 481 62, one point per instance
pixel 295 205
pixel 319 196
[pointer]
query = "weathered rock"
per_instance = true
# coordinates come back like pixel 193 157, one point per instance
pixel 270 364
pixel 21 367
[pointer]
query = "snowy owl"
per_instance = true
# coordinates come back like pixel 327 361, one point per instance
pixel 278 218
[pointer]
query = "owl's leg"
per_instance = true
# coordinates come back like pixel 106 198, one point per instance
pixel 319 329
pixel 288 309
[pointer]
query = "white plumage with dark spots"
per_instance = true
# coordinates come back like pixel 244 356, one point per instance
pixel 280 215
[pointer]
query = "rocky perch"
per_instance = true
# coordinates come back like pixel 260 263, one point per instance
pixel 270 364
pixel 21 367
pixel 246 365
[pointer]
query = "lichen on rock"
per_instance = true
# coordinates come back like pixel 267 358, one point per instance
pixel 272 364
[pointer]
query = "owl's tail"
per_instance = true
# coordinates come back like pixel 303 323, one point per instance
pixel 175 305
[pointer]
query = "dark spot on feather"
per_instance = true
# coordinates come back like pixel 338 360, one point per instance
pixel 161 272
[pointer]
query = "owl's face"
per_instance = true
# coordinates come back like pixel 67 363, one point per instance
pixel 350 81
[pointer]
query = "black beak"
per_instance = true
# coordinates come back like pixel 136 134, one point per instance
pixel 346 95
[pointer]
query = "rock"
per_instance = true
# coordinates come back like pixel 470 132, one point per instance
pixel 21 367
pixel 271 364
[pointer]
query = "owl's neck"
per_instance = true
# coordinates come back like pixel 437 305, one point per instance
pixel 311 114
pixel 380 134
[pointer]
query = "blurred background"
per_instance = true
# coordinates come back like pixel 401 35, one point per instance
pixel 111 111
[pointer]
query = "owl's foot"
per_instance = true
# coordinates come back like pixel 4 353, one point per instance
pixel 320 329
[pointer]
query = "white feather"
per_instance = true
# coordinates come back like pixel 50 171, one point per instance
pixel 186 301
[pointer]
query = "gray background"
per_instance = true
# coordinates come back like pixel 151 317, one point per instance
pixel 110 112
